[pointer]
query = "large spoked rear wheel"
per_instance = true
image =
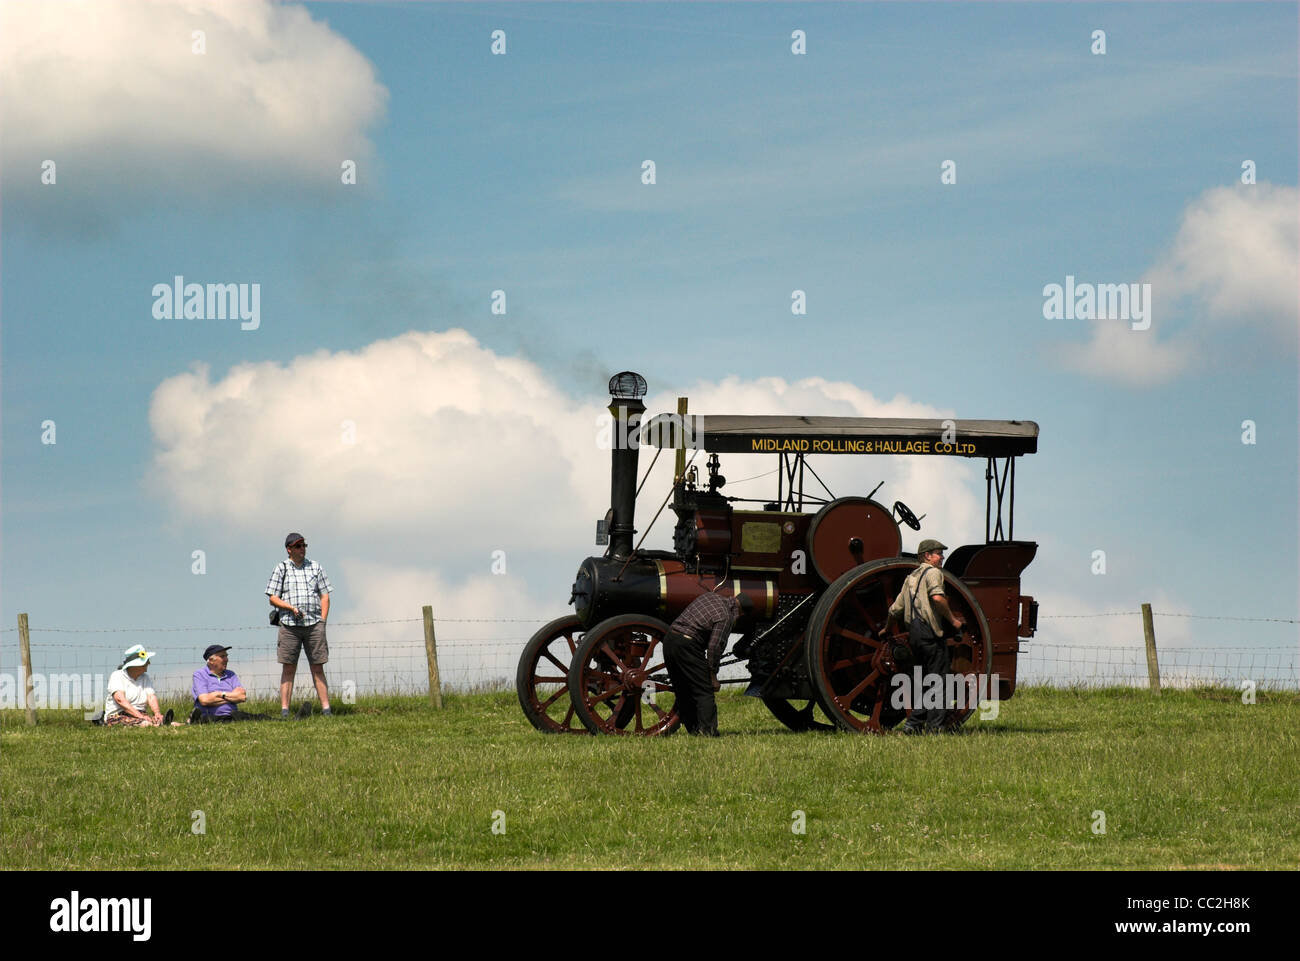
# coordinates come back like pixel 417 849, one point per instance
pixel 542 678
pixel 618 681
pixel 855 666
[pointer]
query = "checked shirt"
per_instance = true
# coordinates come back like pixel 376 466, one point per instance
pixel 302 588
pixel 709 618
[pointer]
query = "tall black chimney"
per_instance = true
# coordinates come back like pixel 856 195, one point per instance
pixel 626 390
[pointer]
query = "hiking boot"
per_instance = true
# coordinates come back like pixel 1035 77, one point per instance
pixel 196 716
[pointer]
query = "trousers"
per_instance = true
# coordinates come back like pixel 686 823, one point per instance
pixel 688 668
pixel 238 715
pixel 932 656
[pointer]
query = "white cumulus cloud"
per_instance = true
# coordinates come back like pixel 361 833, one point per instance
pixel 1237 253
pixel 1134 357
pixel 426 436
pixel 1232 266
pixel 113 92
pixel 457 452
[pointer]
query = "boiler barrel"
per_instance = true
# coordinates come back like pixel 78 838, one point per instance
pixel 659 587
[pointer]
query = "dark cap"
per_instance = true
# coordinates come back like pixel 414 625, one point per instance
pixel 293 538
pixel 213 649
pixel 929 544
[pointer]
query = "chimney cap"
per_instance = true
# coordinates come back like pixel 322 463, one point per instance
pixel 627 385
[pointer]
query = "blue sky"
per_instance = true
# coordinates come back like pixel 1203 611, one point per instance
pixel 775 172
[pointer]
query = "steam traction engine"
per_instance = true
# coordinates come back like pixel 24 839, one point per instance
pixel 822 580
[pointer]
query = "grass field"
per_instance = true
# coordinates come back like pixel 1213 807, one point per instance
pixel 1191 779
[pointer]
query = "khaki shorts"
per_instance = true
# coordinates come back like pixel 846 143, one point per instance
pixel 291 639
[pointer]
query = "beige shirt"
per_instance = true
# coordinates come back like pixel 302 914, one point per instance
pixel 933 584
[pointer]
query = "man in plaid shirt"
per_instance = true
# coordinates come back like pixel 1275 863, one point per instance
pixel 301 590
pixel 692 651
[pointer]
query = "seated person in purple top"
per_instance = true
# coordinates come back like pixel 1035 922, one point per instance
pixel 218 691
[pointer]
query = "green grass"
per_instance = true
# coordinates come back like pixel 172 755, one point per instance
pixel 1188 779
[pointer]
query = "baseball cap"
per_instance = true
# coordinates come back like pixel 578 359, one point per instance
pixel 213 649
pixel 293 538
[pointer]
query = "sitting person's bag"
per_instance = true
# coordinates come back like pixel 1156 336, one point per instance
pixel 919 629
pixel 274 616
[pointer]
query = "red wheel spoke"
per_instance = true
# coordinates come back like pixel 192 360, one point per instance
pixel 554 697
pixel 613 657
pixel 616 710
pixel 600 698
pixel 850 661
pixel 849 698
pixel 555 660
pixel 853 599
pixel 573 645
pixel 538 679
pixel 595 705
pixel 568 716
pixel 854 636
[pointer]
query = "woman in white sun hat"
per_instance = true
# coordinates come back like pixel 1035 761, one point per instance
pixel 130 691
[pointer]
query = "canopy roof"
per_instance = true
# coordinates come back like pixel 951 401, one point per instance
pixel 758 434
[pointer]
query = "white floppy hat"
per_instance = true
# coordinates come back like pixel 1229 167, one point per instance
pixel 137 656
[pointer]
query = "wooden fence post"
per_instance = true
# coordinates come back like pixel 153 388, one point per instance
pixel 431 652
pixel 25 651
pixel 1153 668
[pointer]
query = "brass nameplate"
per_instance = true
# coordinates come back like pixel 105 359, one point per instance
pixel 760 538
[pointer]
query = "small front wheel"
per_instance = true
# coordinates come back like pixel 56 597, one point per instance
pixel 618 681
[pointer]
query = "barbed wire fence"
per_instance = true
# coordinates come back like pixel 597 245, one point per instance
pixel 70 666
pixel 1265 666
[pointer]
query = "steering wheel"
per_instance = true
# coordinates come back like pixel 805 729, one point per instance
pixel 906 516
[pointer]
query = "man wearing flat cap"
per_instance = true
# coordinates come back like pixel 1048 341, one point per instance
pixel 218 691
pixel 300 590
pixel 922 608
